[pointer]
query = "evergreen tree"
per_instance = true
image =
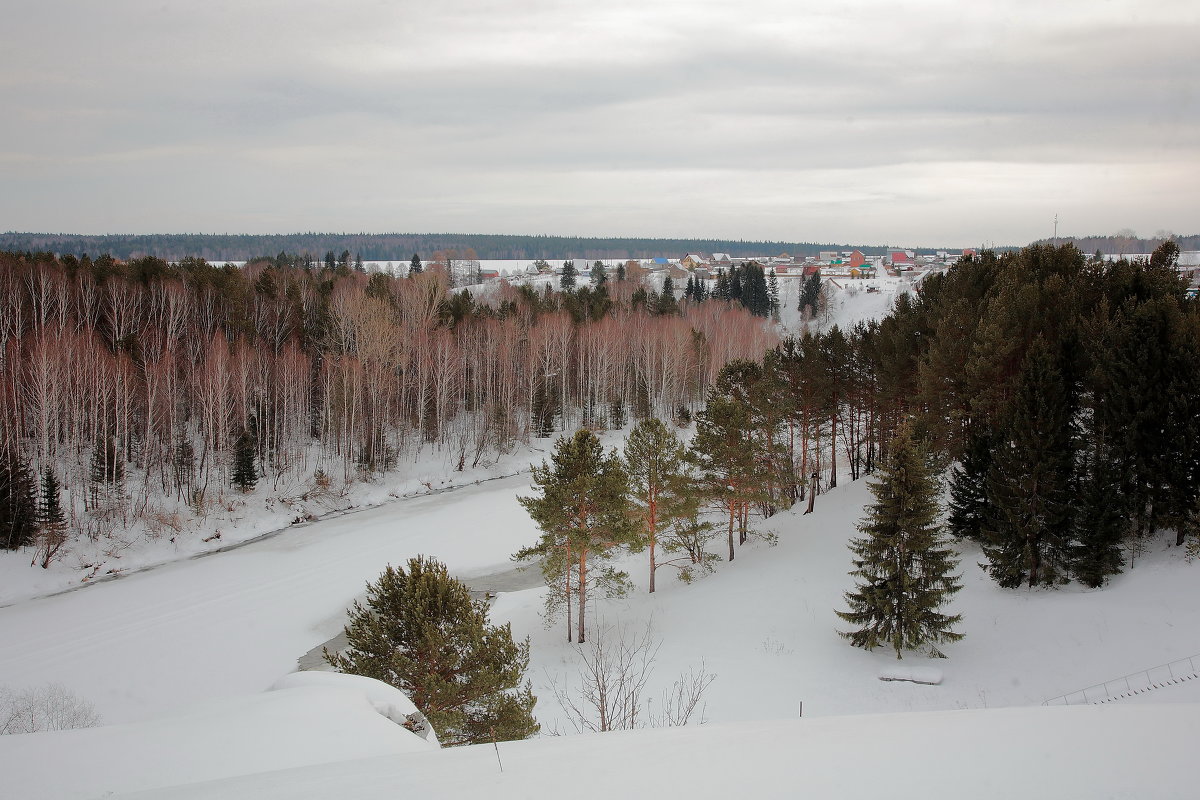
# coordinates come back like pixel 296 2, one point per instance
pixel 245 473
pixel 415 267
pixel 969 506
pixel 599 277
pixel 810 294
pixel 52 524
pixel 621 272
pixel 689 291
pixel 654 461
pixel 726 454
pixel 666 301
pixel 735 284
pixel 773 295
pixel 18 511
pixel 421 632
pixel 567 281
pixel 903 566
pixel 1031 482
pixel 583 513
pixel 1102 520
pixel 721 290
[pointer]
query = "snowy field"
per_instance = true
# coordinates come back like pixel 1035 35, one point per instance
pixel 178 659
pixel 214 633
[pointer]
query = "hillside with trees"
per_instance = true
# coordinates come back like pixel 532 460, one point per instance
pixel 130 390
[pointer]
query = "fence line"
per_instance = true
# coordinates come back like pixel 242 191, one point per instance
pixel 1135 683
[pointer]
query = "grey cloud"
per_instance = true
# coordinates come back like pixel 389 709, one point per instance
pixel 511 103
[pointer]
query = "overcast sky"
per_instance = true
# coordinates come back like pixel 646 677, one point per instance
pixel 869 121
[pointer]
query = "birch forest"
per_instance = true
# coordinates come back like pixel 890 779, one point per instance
pixel 124 384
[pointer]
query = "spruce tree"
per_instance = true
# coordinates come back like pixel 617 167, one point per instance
pixel 969 507
pixel 1031 484
pixel 721 290
pixel 18 510
pixel 773 295
pixel 421 632
pixel 567 281
pixel 667 303
pixel 245 474
pixel 415 267
pixel 810 294
pixel 1102 519
pixel 51 522
pixel 903 566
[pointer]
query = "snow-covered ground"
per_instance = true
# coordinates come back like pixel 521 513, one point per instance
pixel 1064 753
pixel 204 632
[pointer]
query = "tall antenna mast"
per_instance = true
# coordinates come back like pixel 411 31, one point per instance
pixel 1056 230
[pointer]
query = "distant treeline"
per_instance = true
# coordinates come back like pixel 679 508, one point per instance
pixel 393 246
pixel 1124 245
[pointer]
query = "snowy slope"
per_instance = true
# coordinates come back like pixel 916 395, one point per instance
pixel 292 727
pixel 765 626
pixel 1064 753
pixel 232 623
pixel 213 630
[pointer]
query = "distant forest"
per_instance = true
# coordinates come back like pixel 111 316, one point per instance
pixel 393 246
pixel 1123 245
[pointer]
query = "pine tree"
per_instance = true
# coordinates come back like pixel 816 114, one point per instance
pixel 245 474
pixel 726 454
pixel 903 566
pixel 421 632
pixel 583 513
pixel 654 461
pixel 599 277
pixel 415 267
